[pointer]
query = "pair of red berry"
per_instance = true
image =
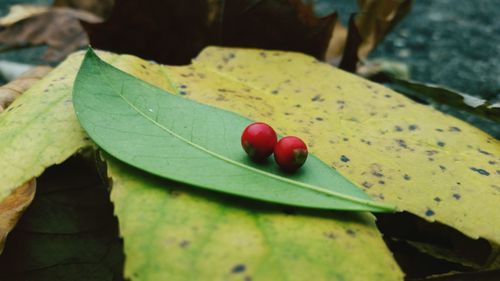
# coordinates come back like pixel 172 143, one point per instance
pixel 259 141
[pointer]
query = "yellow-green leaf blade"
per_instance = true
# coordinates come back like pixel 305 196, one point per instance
pixel 39 129
pixel 400 151
pixel 173 231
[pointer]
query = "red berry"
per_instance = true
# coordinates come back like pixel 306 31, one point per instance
pixel 290 153
pixel 258 140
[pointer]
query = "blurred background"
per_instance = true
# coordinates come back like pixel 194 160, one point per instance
pixel 452 43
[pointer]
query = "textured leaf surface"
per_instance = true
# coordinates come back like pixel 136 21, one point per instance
pixel 178 232
pixel 39 129
pixel 390 145
pixel 430 164
pixel 189 142
pixel 68 232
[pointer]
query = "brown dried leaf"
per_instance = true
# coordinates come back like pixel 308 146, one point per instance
pixel 100 8
pixel 377 18
pixel 20 12
pixel 12 207
pixel 9 92
pixel 372 22
pixel 59 28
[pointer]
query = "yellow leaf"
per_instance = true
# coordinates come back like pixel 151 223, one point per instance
pixel 427 163
pixel 172 231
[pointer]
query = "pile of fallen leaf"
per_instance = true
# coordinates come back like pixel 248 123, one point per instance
pixel 440 172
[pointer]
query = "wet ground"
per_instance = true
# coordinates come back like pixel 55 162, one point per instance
pixel 455 43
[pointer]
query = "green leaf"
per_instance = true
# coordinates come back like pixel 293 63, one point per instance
pixel 189 142
pixel 177 232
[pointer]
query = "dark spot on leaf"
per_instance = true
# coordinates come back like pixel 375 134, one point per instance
pixel 491 162
pixel 454 129
pixel 248 278
pixel 316 98
pixel 319 118
pixel 345 139
pixel 387 96
pixel 441 144
pixel 429 213
pixel 367 184
pixel 183 86
pixel 262 54
pixel 288 113
pixel 459 183
pixel 456 196
pixel 344 158
pixel 297 105
pixel 440 130
pixel 275 92
pixel 406 177
pixel 366 141
pixel 437 199
pixel 329 235
pixel 430 159
pixel 443 168
pixel 402 143
pixel 483 152
pixel 398 129
pixel 412 127
pixel 350 232
pixel 184 244
pixel 143 66
pixel 480 171
pixel 381 182
pixel 183 93
pixel 431 152
pixel 238 268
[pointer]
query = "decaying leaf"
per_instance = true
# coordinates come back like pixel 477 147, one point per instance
pixel 20 12
pixel 69 231
pixel 101 8
pixel 50 134
pixel 373 21
pixel 149 28
pixel 193 233
pixel 444 96
pixel 432 165
pixel 429 164
pixel 9 92
pixel 58 28
pixel 351 231
pixel 12 208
